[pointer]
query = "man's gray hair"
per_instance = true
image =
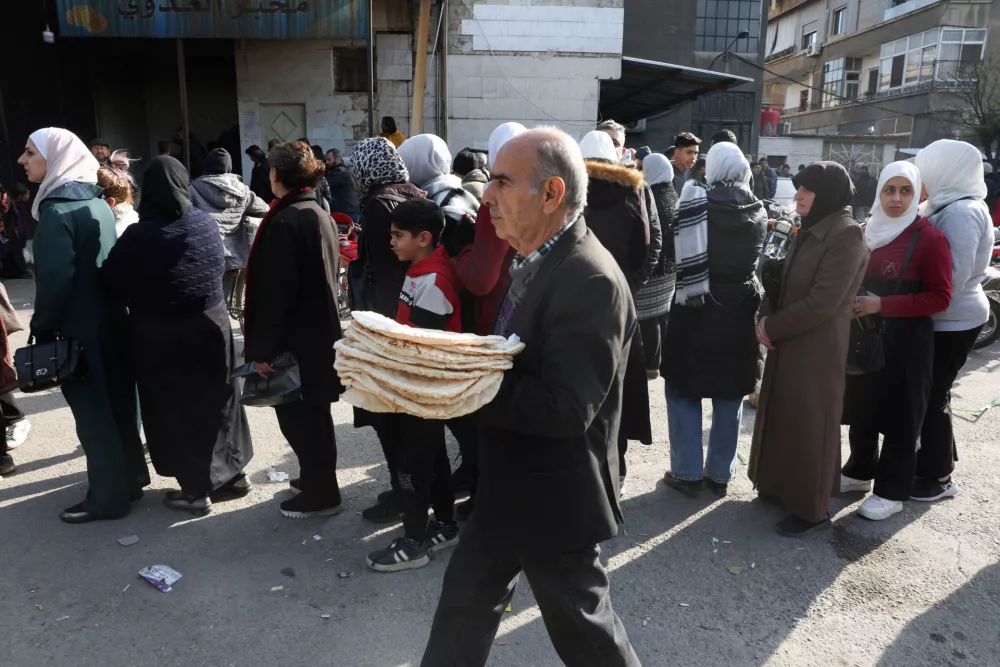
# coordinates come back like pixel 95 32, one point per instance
pixel 562 157
pixel 612 125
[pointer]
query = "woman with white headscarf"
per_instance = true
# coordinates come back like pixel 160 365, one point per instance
pixel 952 173
pixel 616 214
pixel 428 160
pixel 711 349
pixel 653 300
pixel 76 231
pixel 907 281
pixel 484 270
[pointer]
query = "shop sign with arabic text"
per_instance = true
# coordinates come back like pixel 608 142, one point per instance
pixel 252 19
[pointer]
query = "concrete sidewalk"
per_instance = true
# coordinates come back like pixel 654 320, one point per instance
pixel 697 582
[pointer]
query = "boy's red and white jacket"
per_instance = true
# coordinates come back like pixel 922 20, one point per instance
pixel 429 298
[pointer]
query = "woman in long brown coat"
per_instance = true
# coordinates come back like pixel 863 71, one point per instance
pixel 795 458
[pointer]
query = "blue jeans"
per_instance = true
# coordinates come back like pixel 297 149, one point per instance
pixel 684 421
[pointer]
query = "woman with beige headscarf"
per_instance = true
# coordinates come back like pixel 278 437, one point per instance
pixel 76 231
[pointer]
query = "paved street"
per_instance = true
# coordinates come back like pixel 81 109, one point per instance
pixel 697 582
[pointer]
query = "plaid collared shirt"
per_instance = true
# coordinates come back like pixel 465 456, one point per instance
pixel 520 261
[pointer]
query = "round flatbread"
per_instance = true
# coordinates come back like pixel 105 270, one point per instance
pixel 393 329
pixel 353 350
pixel 393 394
pixel 416 387
pixel 430 357
pixel 451 353
pixel 370 402
pixel 359 397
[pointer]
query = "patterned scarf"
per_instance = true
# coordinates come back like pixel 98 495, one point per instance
pixel 376 162
pixel 691 245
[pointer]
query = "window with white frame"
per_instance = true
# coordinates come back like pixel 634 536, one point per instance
pixel 911 60
pixel 838 24
pixel 841 79
pixel 959 46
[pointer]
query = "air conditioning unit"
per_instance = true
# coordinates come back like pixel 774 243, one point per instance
pixel 637 126
pixel 784 129
pixel 814 50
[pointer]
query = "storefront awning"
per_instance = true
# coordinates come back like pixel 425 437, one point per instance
pixel 647 88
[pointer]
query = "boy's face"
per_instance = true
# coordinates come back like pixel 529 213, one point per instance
pixel 686 157
pixel 407 246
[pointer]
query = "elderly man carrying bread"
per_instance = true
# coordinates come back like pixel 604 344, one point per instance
pixel 548 485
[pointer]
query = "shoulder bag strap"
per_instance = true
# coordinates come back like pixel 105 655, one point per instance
pixel 906 262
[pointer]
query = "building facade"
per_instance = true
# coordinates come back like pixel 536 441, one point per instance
pixel 874 72
pixel 246 72
pixel 703 34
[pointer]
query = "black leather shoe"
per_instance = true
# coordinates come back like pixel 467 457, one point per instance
pixel 76 514
pixel 7 466
pixel 718 488
pixel 687 487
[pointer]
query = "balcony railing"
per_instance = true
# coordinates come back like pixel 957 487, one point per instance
pixel 949 75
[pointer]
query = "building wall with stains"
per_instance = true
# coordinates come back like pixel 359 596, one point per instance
pixel 537 62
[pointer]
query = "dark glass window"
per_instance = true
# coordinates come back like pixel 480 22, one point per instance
pixel 718 22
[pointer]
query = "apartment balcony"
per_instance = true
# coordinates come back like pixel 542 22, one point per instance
pixel 949 76
pixel 921 16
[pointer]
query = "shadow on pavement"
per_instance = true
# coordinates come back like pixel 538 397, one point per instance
pixel 959 630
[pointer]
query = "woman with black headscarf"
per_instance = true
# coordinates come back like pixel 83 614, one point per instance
pixel 167 269
pixel 795 457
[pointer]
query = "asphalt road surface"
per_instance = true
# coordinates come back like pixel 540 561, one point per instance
pixel 698 582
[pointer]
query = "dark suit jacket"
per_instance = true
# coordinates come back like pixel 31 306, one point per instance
pixel 292 294
pixel 548 476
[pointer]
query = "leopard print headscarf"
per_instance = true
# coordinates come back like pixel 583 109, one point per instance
pixel 374 162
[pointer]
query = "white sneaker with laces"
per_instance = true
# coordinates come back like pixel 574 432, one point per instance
pixel 848 484
pixel 18 433
pixel 877 508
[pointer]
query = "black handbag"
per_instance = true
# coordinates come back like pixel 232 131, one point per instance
pixel 50 364
pixel 866 350
pixel 282 386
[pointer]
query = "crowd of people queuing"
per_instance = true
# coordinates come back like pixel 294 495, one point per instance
pixel 615 267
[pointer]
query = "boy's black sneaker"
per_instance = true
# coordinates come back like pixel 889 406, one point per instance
pixel 7 465
pixel 440 536
pixel 304 506
pixel 402 554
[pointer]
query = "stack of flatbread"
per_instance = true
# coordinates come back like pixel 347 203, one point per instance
pixel 391 367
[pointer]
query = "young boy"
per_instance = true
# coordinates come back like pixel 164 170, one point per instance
pixel 429 299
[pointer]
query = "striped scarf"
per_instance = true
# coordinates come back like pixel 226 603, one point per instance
pixel 691 245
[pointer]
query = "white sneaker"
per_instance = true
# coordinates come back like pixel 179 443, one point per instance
pixel 848 484
pixel 877 508
pixel 621 485
pixel 18 433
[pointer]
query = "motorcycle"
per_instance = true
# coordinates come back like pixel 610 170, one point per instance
pixel 347 230
pixel 991 330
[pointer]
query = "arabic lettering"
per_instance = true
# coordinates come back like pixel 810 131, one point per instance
pixel 129 9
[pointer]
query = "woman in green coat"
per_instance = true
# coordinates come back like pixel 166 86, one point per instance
pixel 76 229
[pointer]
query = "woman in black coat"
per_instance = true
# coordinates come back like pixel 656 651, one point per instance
pixel 616 213
pixel 377 277
pixel 653 300
pixel 291 306
pixel 383 183
pixel 711 346
pixel 167 269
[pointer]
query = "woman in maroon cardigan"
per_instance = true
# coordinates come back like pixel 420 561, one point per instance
pixel 908 280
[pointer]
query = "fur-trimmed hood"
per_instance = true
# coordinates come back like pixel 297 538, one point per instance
pixel 616 174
